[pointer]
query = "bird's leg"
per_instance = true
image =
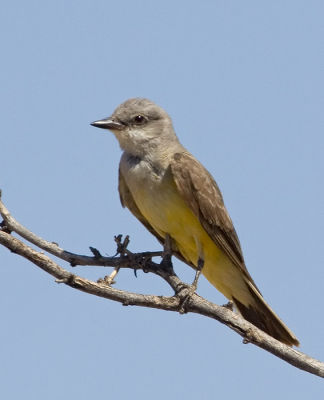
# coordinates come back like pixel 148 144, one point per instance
pixel 167 253
pixel 200 265
pixel 193 287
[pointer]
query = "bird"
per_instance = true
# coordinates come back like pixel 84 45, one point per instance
pixel 174 196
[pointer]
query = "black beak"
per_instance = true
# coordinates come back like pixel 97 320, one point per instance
pixel 107 123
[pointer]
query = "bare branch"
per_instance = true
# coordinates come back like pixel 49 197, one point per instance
pixel 53 248
pixel 143 261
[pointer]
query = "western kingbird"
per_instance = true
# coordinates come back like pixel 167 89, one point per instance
pixel 175 197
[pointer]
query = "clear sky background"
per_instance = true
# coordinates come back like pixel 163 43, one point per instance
pixel 243 82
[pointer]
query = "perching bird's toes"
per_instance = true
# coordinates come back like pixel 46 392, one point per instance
pixel 185 293
pixel 229 305
pixel 166 262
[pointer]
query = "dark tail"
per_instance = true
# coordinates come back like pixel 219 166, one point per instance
pixel 261 315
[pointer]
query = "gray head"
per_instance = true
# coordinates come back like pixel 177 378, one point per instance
pixel 140 126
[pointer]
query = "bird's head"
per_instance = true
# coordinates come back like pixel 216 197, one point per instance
pixel 140 126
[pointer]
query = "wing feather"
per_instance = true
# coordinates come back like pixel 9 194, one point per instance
pixel 203 196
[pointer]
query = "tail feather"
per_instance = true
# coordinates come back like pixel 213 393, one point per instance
pixel 262 316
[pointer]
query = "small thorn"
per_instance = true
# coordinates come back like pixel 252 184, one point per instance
pixel 95 252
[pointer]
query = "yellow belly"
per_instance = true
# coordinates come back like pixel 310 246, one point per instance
pixel 168 213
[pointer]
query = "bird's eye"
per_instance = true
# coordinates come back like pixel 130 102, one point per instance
pixel 139 119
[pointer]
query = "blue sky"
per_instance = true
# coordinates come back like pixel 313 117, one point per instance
pixel 243 82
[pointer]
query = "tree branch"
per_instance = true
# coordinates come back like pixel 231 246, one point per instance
pixel 143 261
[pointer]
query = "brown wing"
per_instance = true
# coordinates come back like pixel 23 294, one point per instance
pixel 203 196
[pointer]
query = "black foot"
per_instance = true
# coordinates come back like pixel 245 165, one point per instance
pixel 166 263
pixel 229 305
